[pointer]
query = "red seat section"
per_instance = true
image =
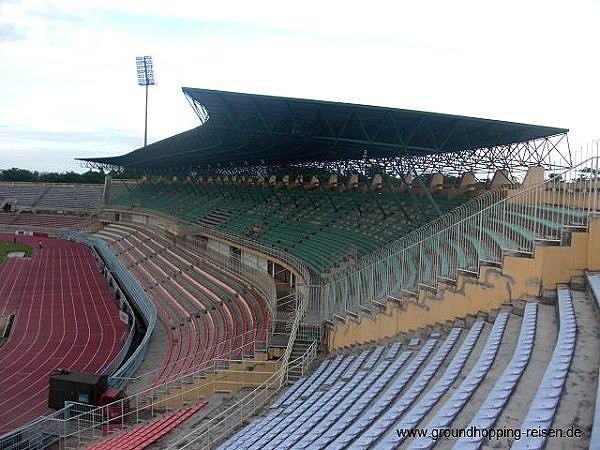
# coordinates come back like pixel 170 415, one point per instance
pixel 60 221
pixel 206 312
pixel 65 317
pixel 144 435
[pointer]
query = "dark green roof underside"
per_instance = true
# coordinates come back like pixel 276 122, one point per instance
pixel 248 129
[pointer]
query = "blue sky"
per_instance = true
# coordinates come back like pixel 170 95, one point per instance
pixel 68 83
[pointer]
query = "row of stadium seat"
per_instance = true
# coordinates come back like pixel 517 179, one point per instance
pixel 316 227
pixel 58 221
pixel 367 408
pixel 543 407
pixel 490 410
pixel 145 435
pixel 386 421
pixel 81 198
pixel 186 338
pixel 206 312
pixel 593 281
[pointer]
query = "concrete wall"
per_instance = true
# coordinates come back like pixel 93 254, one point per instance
pixel 248 251
pixel 254 260
pixel 218 247
pixel 143 218
pixel 519 278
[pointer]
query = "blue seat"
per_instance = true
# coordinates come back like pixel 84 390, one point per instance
pixel 545 402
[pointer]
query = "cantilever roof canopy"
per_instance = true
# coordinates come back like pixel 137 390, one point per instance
pixel 252 130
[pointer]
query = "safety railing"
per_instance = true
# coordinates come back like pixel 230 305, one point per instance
pixel 52 232
pixel 481 231
pixel 309 276
pixel 229 351
pixel 116 362
pixel 259 279
pixel 299 367
pixel 82 424
pixel 221 425
pixel 39 434
pixel 76 424
pixel 143 303
pixel 302 293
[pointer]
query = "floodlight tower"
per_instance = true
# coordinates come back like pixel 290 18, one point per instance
pixel 145 76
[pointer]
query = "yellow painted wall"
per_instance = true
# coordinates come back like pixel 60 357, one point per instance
pixel 594 245
pixel 469 296
pixel 559 264
pixel 520 278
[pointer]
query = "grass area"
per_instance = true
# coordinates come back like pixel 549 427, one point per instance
pixel 8 247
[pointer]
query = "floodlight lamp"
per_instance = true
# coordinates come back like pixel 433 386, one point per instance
pixel 145 76
pixel 145 70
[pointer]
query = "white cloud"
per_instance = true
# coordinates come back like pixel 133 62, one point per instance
pixel 68 66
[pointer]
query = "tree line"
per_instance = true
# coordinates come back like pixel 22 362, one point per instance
pixel 89 177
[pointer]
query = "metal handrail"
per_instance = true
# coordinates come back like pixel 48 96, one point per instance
pixel 82 422
pixel 38 427
pixel 309 275
pixel 214 430
pixel 482 223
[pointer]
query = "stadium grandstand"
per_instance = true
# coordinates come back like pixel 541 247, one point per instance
pixel 310 274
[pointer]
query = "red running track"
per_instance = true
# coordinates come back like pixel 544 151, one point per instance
pixel 65 317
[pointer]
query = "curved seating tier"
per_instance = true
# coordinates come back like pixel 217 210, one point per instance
pixel 320 228
pixel 207 313
pixel 344 404
pixel 79 198
pixel 331 231
pixel 60 221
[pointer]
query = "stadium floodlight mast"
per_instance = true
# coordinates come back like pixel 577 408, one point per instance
pixel 145 76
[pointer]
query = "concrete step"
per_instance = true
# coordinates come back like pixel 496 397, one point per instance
pixel 578 283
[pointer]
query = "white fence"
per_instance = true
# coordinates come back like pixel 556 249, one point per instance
pixel 508 220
